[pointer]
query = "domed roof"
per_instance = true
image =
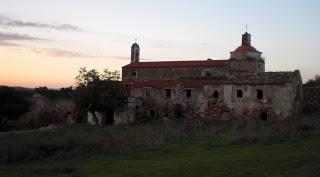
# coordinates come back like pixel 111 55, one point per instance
pixel 246 48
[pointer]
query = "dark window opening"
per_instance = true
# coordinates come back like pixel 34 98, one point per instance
pixel 216 94
pixel 134 73
pixel 178 111
pixel 109 117
pixel 259 94
pixel 146 92
pixel 68 114
pixel 168 93
pixel 208 74
pixel 188 93
pixel 152 113
pixel 239 93
pixel 264 116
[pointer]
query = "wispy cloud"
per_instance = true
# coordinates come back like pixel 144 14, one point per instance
pixel 8 44
pixel 8 22
pixel 16 36
pixel 6 38
pixel 70 54
pixel 59 53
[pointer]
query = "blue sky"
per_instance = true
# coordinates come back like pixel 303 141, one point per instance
pixel 98 34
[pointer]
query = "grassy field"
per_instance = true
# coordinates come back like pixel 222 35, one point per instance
pixel 293 159
pixel 164 150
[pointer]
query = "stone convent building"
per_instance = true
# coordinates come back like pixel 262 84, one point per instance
pixel 236 88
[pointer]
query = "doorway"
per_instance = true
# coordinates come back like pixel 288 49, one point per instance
pixel 264 116
pixel 109 117
pixel 178 111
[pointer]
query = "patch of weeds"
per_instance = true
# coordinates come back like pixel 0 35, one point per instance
pixel 55 171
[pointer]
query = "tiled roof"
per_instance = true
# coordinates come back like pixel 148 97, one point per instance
pixel 163 84
pixel 245 48
pixel 165 64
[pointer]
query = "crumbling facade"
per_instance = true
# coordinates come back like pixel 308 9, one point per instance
pixel 44 110
pixel 236 88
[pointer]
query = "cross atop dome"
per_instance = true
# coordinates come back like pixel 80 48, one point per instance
pixel 246 44
pixel 246 50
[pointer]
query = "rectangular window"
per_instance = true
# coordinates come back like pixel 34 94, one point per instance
pixel 259 94
pixel 188 93
pixel 152 113
pixel 216 94
pixel 146 92
pixel 168 93
pixel 239 93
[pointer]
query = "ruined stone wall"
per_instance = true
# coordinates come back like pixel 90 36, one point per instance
pixel 126 115
pixel 277 103
pixel 44 110
pixel 267 96
pixel 171 73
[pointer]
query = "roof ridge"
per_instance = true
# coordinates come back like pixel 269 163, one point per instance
pixel 186 63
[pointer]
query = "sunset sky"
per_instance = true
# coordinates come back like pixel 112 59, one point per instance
pixel 45 42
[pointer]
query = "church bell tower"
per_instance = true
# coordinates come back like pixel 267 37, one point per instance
pixel 246 58
pixel 135 53
pixel 246 39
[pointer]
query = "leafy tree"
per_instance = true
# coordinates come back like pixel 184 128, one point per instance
pixel 66 92
pixel 99 92
pixel 12 105
pixel 313 82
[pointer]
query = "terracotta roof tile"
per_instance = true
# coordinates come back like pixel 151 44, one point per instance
pixel 162 84
pixel 165 64
pixel 245 48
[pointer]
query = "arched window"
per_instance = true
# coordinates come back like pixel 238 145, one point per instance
pixel 215 94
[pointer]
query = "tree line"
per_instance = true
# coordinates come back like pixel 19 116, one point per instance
pixel 94 91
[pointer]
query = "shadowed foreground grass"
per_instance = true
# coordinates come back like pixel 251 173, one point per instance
pixel 300 158
pixel 168 149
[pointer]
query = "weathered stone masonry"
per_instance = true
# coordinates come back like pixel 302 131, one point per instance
pixel 237 88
